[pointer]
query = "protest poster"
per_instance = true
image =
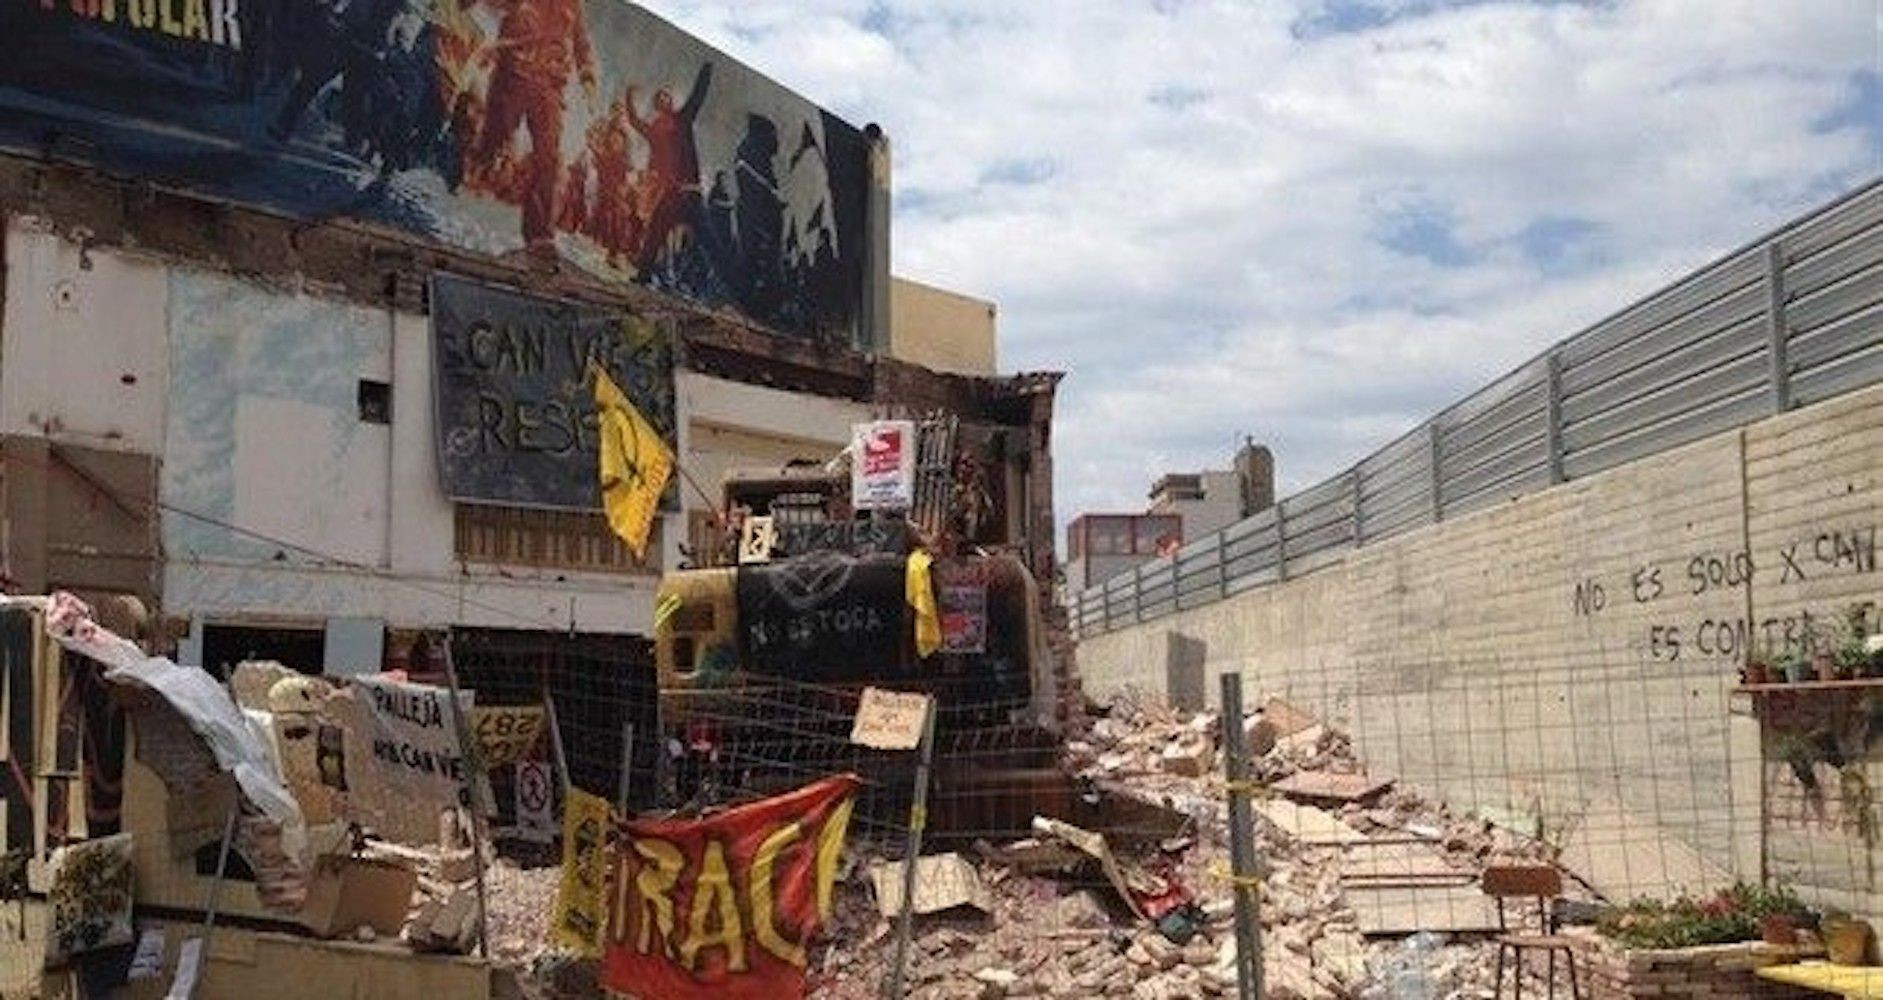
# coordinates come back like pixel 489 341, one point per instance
pixel 963 618
pixel 889 720
pixel 582 898
pixel 90 897
pixel 722 907
pixel 882 465
pixel 414 738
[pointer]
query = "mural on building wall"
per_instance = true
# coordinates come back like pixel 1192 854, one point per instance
pixel 516 414
pixel 589 131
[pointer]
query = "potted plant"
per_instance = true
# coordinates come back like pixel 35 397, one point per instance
pixel 1796 667
pixel 1846 940
pixel 1758 668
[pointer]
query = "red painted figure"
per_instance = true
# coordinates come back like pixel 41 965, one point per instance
pixel 613 220
pixel 673 163
pixel 540 43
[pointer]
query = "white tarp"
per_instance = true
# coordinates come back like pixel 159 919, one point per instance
pixel 204 704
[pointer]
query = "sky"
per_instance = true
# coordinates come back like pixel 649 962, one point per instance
pixel 1315 222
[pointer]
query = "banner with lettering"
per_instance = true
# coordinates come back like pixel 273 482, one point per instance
pixel 414 742
pixel 516 418
pixel 582 896
pixel 722 907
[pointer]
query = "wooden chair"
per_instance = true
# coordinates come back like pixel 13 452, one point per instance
pixel 1543 884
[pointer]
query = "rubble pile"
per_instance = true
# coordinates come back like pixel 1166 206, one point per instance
pixel 1049 935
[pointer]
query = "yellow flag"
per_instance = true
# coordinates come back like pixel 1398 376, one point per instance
pixel 581 914
pixel 635 465
pixel 919 590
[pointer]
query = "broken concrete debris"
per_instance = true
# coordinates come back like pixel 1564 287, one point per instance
pixel 1135 903
pixel 1075 911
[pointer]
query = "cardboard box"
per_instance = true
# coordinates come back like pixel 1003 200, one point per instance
pixel 346 894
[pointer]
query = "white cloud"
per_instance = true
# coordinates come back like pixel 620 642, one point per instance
pixel 1315 222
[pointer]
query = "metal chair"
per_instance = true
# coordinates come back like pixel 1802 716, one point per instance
pixel 1543 884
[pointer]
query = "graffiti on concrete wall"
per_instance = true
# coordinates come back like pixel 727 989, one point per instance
pixel 1830 552
pixel 588 131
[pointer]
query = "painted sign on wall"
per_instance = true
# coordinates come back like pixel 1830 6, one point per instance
pixel 516 417
pixel 585 130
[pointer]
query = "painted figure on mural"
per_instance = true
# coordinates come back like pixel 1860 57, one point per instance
pixel 334 40
pixel 672 178
pixel 613 220
pixel 540 45
pixel 758 261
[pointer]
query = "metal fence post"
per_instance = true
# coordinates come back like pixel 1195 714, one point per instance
pixel 1353 487
pixel 1222 564
pixel 1553 412
pixel 1281 541
pixel 473 796
pixel 1242 867
pixel 918 821
pixel 1437 442
pixel 1775 325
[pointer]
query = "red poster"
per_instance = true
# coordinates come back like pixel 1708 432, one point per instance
pixel 723 907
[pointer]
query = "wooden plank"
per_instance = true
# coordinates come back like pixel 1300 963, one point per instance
pixel 1407 909
pixel 1306 823
pixel 1367 860
pixel 1326 787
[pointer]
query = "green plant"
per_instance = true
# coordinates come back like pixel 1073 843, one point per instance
pixel 1853 785
pixel 1777 900
pixel 1725 917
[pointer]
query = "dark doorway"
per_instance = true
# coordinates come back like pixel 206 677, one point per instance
pixel 224 646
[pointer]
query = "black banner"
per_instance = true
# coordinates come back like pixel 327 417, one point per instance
pixel 824 617
pixel 515 416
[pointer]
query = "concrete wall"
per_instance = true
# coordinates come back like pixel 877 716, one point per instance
pixel 731 425
pixel 939 329
pixel 1569 658
pixel 248 394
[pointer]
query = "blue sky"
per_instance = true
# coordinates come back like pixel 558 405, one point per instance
pixel 1316 221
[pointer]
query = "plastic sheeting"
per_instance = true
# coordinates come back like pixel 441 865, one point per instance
pixel 204 704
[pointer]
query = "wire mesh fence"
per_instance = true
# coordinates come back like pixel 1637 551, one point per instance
pixel 1396 831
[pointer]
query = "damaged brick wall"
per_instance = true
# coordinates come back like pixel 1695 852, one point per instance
pixel 383 269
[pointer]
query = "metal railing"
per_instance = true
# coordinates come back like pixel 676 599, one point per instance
pixel 1793 319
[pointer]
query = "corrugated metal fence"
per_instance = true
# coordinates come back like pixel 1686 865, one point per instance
pixel 1791 320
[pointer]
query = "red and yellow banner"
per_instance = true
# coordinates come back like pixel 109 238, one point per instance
pixel 722 907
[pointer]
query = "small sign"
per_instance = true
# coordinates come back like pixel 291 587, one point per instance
pixel 882 466
pixel 506 734
pixel 757 536
pixel 536 815
pixel 963 618
pixel 414 744
pixel 890 720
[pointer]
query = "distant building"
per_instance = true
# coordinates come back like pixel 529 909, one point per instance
pixel 1185 506
pixel 941 330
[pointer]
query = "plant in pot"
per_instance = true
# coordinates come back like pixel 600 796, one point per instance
pixel 1796 667
pixel 1846 939
pixel 1758 668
